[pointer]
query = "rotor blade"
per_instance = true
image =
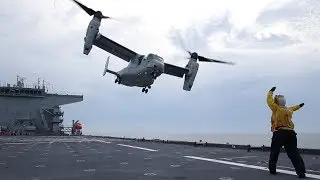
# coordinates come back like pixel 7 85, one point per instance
pixel 129 19
pixel 201 58
pixel 181 43
pixel 85 8
pixel 180 57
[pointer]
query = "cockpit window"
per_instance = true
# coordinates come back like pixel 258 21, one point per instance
pixel 161 59
pixel 150 56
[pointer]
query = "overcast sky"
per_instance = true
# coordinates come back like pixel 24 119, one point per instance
pixel 273 42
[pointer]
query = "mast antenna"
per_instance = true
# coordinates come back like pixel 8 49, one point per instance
pixel 38 83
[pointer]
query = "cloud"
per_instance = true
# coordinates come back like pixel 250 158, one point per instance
pixel 300 19
pixel 284 12
pixel 280 24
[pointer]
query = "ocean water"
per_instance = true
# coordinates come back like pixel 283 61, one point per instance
pixel 311 141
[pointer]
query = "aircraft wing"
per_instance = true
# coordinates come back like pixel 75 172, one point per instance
pixel 114 48
pixel 174 70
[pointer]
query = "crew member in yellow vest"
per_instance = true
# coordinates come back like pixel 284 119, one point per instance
pixel 283 133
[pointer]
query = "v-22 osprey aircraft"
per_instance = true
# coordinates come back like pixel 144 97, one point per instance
pixel 142 70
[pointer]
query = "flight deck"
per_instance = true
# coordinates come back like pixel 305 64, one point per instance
pixel 83 158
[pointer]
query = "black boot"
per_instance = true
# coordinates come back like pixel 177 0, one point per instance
pixel 273 172
pixel 301 176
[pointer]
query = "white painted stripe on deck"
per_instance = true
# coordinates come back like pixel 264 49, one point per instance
pixel 251 166
pixel 308 170
pixel 103 141
pixel 17 143
pixel 136 147
pixel 242 157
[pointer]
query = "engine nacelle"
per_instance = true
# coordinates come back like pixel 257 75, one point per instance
pixel 190 77
pixel 92 31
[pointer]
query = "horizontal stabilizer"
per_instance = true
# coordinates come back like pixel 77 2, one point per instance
pixel 106 66
pixel 106 70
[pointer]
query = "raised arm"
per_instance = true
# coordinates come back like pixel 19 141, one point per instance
pixel 296 107
pixel 272 105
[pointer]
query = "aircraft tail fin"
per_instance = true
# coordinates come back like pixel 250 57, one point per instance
pixel 106 70
pixel 189 77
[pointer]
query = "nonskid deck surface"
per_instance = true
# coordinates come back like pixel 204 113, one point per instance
pixel 83 158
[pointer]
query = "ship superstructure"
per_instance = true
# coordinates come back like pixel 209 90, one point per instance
pixel 32 110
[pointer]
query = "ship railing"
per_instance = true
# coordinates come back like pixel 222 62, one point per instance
pixel 65 94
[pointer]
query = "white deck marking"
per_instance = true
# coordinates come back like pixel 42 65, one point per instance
pixel 250 166
pixel 17 143
pixel 242 157
pixel 102 141
pixel 149 174
pixel 89 170
pixel 136 147
pixel 225 178
pixel 40 166
pixel 309 170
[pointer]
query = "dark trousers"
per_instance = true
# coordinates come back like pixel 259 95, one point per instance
pixel 288 139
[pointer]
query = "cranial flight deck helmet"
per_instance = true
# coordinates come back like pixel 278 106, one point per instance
pixel 280 100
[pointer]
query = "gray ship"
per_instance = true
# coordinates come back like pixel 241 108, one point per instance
pixel 32 110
